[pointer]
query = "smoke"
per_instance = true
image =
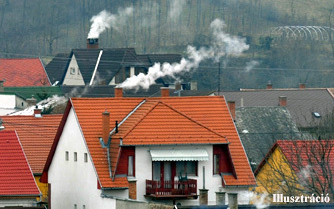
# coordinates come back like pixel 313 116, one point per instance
pixel 258 200
pixel 250 65
pixel 104 20
pixel 223 45
pixel 44 104
pixel 176 8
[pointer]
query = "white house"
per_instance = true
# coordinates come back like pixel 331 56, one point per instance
pixel 145 149
pixel 10 102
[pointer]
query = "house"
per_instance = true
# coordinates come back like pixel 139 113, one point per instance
pixel 17 185
pixel 295 168
pixel 260 127
pixel 23 72
pixel 36 133
pixel 307 106
pixel 145 149
pixel 102 66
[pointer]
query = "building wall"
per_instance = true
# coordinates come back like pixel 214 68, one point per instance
pixel 75 77
pixel 274 172
pixel 74 182
pixel 20 202
pixel 43 188
pixel 212 182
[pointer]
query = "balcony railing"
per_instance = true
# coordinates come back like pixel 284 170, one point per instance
pixel 170 188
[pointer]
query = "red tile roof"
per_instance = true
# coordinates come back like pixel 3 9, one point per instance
pixel 36 136
pixel 16 178
pixel 23 72
pixel 165 120
pixel 311 156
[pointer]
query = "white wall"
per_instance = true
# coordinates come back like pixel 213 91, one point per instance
pixel 212 182
pixel 76 78
pixel 21 202
pixel 74 182
pixel 7 101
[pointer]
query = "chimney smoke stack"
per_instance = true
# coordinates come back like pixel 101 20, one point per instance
pixel 164 91
pixel 37 112
pixel 92 43
pixel 118 91
pixel 269 85
pixel 105 126
pixel 302 85
pixel 282 101
pixel 231 107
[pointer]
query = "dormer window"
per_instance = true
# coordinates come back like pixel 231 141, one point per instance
pixel 72 70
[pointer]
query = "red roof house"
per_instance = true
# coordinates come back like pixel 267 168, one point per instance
pixel 17 184
pixel 36 136
pixel 23 72
pixel 134 144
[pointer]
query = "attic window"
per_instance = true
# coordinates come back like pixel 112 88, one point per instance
pixel 72 70
pixel 316 114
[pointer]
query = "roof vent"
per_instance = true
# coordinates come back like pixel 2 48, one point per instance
pixel 316 114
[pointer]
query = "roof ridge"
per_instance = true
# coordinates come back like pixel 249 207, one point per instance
pixel 178 112
pixel 142 117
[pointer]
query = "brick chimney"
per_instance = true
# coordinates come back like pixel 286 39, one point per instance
pixel 302 85
pixel 118 91
pixel 92 43
pixel 269 85
pixel 2 88
pixel 37 112
pixel 282 101
pixel 231 107
pixel 164 91
pixel 105 126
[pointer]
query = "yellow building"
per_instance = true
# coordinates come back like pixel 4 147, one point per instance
pixel 295 168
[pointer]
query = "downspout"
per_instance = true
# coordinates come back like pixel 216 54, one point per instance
pixel 96 66
pixel 113 131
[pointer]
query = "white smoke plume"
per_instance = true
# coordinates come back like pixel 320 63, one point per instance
pixel 260 201
pixel 251 65
pixel 223 45
pixel 104 20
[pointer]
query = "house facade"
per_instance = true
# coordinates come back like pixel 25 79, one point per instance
pixel 145 149
pixel 296 168
pixel 17 185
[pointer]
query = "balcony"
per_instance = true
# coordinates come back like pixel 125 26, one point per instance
pixel 171 189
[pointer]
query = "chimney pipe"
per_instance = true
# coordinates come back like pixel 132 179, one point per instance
pixel 118 91
pixel 164 91
pixel 2 88
pixel 269 85
pixel 302 85
pixel 282 101
pixel 105 126
pixel 37 112
pixel 92 43
pixel 231 107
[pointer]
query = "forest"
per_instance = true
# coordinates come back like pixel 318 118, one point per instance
pixel 290 41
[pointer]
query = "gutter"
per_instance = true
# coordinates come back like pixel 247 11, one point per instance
pixel 112 132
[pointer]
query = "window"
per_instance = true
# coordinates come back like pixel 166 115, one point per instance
pixel 130 166
pixel 86 157
pixel 186 168
pixel 75 156
pixel 216 164
pixel 72 70
pixel 66 155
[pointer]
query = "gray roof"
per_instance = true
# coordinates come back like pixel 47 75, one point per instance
pixel 300 102
pixel 56 68
pixel 260 127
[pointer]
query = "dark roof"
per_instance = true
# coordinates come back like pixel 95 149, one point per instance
pixel 300 102
pixel 162 58
pixel 56 68
pixel 86 59
pixel 260 127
